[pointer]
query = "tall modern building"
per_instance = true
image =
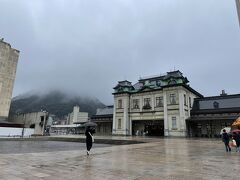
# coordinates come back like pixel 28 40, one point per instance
pixel 8 66
pixel 238 9
pixel 77 117
pixel 157 105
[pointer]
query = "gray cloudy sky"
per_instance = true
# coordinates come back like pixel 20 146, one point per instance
pixel 89 45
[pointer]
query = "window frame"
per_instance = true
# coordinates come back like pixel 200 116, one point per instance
pixel 159 101
pixel 119 104
pixel 174 122
pixel 185 99
pixel 136 104
pixel 190 102
pixel 172 99
pixel 119 124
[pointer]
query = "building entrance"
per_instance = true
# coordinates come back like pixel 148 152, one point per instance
pixel 148 128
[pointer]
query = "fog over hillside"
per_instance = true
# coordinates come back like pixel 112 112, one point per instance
pixel 55 102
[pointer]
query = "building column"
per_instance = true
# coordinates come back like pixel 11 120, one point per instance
pixel 182 123
pixel 152 101
pixel 114 118
pixel 126 116
pixel 130 127
pixel 166 126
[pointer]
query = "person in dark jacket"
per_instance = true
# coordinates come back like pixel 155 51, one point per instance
pixel 226 139
pixel 236 137
pixel 89 139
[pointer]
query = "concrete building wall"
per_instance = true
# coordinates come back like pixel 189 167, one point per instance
pixel 35 119
pixel 8 65
pixel 77 117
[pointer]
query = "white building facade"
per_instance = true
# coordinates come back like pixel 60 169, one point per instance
pixel 156 106
pixel 8 66
pixel 77 117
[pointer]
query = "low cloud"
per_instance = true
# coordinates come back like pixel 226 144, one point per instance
pixel 87 46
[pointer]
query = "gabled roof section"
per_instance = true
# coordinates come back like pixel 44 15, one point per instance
pixel 105 111
pixel 123 84
pixel 123 87
pixel 153 83
pixel 217 104
pixel 173 75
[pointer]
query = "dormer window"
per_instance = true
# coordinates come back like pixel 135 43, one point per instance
pixel 158 83
pixel 146 82
pixel 172 82
pixel 120 89
pixel 216 105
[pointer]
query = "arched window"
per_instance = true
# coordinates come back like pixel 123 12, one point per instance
pixel 172 82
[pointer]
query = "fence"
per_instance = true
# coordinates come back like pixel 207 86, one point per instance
pixel 9 132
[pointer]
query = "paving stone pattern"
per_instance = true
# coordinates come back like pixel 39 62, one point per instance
pixel 168 159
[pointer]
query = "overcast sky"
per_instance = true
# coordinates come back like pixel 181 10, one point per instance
pixel 88 45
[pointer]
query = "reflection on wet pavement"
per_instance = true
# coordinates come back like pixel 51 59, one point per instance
pixel 14 147
pixel 161 159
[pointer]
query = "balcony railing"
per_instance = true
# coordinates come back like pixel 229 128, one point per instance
pixel 147 107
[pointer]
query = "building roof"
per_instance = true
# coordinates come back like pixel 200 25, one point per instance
pixel 217 104
pixel 103 114
pixel 2 41
pixel 108 110
pixel 168 75
pixel 153 83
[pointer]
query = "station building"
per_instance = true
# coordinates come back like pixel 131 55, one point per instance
pixel 211 114
pixel 157 106
pixel 104 119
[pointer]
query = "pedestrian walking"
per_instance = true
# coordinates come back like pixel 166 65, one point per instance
pixel 226 139
pixel 236 137
pixel 89 139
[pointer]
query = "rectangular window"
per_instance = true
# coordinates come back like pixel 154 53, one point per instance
pixel 173 99
pixel 135 103
pixel 190 102
pixel 185 100
pixel 174 123
pixel 159 101
pixel 120 104
pixel 147 103
pixel 119 124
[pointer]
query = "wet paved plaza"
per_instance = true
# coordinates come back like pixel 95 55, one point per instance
pixel 168 159
pixel 18 147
